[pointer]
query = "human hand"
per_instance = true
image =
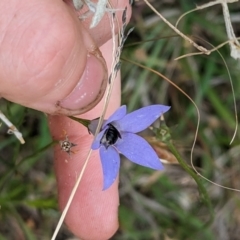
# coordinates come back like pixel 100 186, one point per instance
pixel 45 52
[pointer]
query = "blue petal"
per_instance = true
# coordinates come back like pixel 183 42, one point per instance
pixel 140 119
pixel 110 165
pixel 96 143
pixel 117 115
pixel 138 150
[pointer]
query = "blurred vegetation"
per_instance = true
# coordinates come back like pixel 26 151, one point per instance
pixel 153 205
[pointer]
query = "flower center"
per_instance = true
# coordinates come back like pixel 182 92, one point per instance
pixel 110 136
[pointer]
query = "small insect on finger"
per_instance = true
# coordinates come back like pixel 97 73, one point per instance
pixel 66 145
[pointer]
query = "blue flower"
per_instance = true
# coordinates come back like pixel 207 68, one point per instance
pixel 117 136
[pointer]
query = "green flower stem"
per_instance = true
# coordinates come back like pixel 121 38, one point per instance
pixel 164 135
pixel 84 122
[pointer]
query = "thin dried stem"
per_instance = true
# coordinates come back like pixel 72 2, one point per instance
pixel 234 44
pixel 12 129
pixel 234 134
pixel 98 9
pixel 99 13
pixel 74 190
pixel 184 93
pixel 200 48
pixel 230 79
pixel 233 41
pixel 114 70
pixel 199 53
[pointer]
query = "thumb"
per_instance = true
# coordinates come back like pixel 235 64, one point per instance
pixel 51 64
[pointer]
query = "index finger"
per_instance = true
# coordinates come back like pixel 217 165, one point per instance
pixel 93 212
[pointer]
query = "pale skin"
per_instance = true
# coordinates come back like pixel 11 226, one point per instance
pixel 45 50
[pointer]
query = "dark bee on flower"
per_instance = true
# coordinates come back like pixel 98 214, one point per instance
pixel 110 136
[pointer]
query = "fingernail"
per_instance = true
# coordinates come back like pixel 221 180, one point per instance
pixel 89 90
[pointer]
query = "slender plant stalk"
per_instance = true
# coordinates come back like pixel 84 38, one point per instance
pixel 163 134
